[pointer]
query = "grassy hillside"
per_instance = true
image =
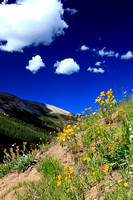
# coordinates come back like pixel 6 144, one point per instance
pixel 97 156
pixel 14 130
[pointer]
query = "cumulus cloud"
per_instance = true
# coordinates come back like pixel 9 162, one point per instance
pixel 30 22
pixel 95 70
pixel 67 66
pixel 72 11
pixel 35 64
pixel 104 52
pixel 84 48
pixel 98 64
pixel 127 56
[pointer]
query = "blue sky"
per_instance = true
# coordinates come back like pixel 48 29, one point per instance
pixel 64 53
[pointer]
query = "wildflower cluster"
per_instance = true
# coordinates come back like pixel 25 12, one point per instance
pixel 69 133
pixel 67 172
pixel 107 142
pixel 86 111
pixel 87 159
pixel 16 161
pixel 125 183
pixel 96 173
pixel 66 135
pixel 106 100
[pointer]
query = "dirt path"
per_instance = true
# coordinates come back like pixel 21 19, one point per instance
pixel 11 180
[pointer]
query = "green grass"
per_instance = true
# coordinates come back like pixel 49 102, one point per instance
pixel 47 188
pixel 17 163
pixel 19 131
pixel 14 130
pixel 120 194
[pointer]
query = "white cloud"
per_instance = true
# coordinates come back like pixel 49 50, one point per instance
pixel 35 64
pixel 84 48
pixel 104 52
pixel 95 70
pixel 98 64
pixel 67 66
pixel 30 22
pixel 72 11
pixel 127 56
pixel 5 2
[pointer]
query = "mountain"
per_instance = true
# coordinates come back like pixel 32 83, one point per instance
pixel 11 104
pixel 22 120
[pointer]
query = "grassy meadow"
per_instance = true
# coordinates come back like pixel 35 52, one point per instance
pixel 101 146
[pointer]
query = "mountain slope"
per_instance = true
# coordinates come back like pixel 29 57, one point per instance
pixel 22 120
pixel 12 104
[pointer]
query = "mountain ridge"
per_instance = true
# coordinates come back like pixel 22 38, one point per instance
pixel 10 103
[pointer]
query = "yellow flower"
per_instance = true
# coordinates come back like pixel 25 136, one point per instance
pixel 88 159
pixel 85 159
pixel 59 183
pixel 69 181
pixel 106 168
pixel 66 166
pixel 93 173
pixel 92 168
pixel 65 178
pixel 125 184
pixel 85 173
pixel 67 190
pixel 59 177
pixel 70 170
pixel 78 128
pixel 119 180
pixel 98 131
pixel 60 147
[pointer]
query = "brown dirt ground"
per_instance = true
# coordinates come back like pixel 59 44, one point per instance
pixel 13 179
